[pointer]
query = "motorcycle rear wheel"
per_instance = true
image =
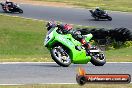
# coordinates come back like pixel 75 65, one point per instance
pixel 98 59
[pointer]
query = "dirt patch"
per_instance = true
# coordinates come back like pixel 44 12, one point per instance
pixel 55 4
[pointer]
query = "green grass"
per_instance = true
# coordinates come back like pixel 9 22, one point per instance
pixel 73 86
pixel 119 55
pixel 22 40
pixel 118 5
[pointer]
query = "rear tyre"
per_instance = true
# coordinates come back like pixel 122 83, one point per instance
pixel 98 59
pixel 61 58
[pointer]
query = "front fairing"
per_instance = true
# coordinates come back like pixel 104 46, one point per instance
pixel 49 36
pixel 77 56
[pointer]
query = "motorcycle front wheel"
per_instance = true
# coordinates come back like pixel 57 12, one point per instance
pixel 20 11
pixel 60 56
pixel 109 18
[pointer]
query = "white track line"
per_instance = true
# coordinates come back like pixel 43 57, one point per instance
pixel 27 62
pixel 52 62
pixel 56 83
pixel 34 84
pixel 12 84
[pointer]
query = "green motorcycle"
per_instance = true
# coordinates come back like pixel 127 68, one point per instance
pixel 65 49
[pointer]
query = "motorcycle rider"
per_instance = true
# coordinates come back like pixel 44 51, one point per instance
pixel 98 11
pixel 76 34
pixel 51 24
pixel 68 29
pixel 8 5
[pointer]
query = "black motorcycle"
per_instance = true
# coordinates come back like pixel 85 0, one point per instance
pixel 11 9
pixel 102 16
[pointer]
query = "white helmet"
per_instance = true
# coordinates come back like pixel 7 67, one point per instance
pixel 97 7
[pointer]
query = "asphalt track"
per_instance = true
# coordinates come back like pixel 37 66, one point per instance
pixel 44 73
pixel 48 73
pixel 74 16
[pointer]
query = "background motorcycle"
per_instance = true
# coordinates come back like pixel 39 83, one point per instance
pixel 15 8
pixel 103 16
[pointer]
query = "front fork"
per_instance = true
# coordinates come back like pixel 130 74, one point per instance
pixel 61 50
pixel 87 47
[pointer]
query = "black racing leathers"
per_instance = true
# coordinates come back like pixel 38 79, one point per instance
pixel 99 12
pixel 75 33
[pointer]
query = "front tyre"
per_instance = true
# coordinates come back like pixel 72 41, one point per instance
pixel 60 56
pixel 20 11
pixel 98 59
pixel 109 18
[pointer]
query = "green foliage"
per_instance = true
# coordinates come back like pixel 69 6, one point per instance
pixel 111 38
pixel 128 44
pixel 117 45
pixel 21 38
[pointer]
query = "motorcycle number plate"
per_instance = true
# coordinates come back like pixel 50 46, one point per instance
pixel 48 38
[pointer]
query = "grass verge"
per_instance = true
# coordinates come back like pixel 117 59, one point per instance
pixel 73 86
pixel 21 40
pixel 115 5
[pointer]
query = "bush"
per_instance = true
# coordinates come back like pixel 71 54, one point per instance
pixel 128 44
pixel 109 35
pixel 115 38
pixel 120 34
